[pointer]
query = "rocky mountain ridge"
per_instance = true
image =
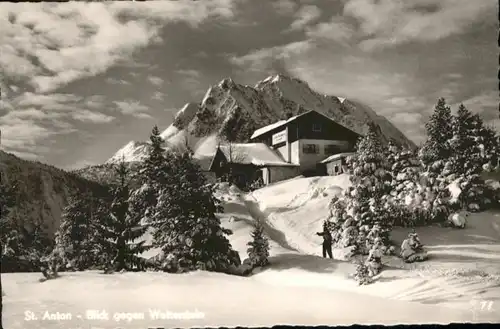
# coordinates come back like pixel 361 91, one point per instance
pixel 235 111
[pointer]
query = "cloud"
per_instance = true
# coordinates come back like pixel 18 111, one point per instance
pixel 30 114
pixel 52 101
pixel 284 7
pixel 95 101
pixel 132 108
pixel 191 81
pixel 92 117
pixel 410 123
pixel 487 105
pixel 51 45
pixel 261 59
pixel 483 101
pixel 20 133
pixel 32 120
pixel 337 29
pixel 455 76
pixel 189 73
pixel 388 23
pixel 157 81
pixel 306 15
pixel 114 81
pixel 158 96
pixel 407 118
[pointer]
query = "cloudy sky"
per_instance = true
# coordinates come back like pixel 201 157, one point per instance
pixel 80 80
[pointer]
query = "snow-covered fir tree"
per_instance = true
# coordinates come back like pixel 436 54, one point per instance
pixel 488 140
pixel 362 274
pixel 7 201
pixel 365 200
pixel 466 152
pixel 121 228
pixel 258 247
pixel 187 229
pixel 414 191
pixel 153 175
pixel 154 164
pixel 337 217
pixel 21 248
pixel 9 237
pixel 436 149
pixel 374 259
pixel 77 236
pixel 473 148
pixel 405 171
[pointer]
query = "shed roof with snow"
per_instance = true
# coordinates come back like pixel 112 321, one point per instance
pixel 257 154
pixel 338 156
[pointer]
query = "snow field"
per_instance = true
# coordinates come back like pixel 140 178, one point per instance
pixel 459 283
pixel 245 301
pixel 463 265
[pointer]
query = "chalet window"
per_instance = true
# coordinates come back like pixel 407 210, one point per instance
pixel 316 127
pixel 310 149
pixel 337 170
pixel 331 149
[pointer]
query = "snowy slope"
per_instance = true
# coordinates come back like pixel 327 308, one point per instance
pixel 459 283
pixel 464 265
pixel 241 302
pixel 243 109
pixel 463 269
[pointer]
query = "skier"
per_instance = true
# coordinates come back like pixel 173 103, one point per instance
pixel 327 241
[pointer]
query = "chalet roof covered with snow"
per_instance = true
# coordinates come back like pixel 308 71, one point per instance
pixel 263 130
pixel 258 154
pixel 337 156
pixel 268 128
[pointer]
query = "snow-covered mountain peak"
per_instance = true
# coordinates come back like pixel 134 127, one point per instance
pixel 277 80
pixel 227 83
pixel 229 108
pixel 132 152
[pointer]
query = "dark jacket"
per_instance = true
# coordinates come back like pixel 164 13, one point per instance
pixel 327 237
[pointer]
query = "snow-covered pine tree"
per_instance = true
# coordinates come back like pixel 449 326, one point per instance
pixel 383 222
pixel 370 183
pixel 187 230
pixel 153 175
pixel 155 161
pixel 374 260
pixel 412 196
pixel 77 233
pixel 488 141
pixel 121 229
pixel 362 274
pixel 338 215
pixel 473 145
pixel 436 149
pixel 258 247
pixel 7 201
pixel 465 149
